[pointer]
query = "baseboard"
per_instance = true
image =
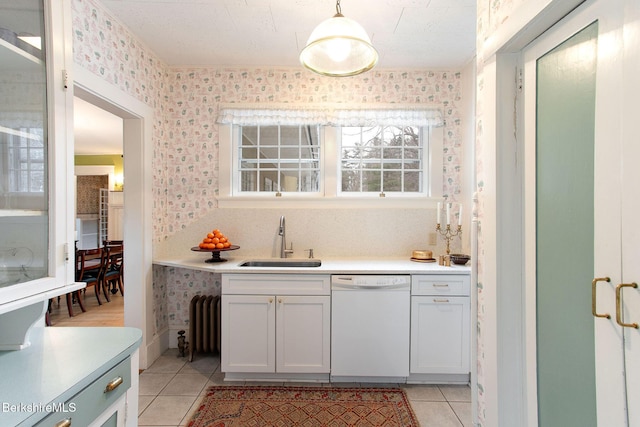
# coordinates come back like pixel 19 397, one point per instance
pixel 158 345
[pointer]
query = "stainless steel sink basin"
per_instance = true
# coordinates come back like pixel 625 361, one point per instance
pixel 299 263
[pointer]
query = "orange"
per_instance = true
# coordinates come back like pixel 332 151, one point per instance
pixel 215 240
pixel 210 235
pixel 219 245
pixel 226 244
pixel 223 239
pixel 207 240
pixel 210 246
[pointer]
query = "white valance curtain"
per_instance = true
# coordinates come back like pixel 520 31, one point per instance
pixel 330 115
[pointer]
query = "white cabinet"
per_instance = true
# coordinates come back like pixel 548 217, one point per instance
pixel 36 209
pixel 440 328
pixel 248 333
pixel 275 324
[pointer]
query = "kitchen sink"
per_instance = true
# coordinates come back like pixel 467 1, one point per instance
pixel 299 263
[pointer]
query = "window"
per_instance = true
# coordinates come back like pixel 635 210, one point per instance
pixel 26 161
pixel 381 159
pixel 324 154
pixel 279 158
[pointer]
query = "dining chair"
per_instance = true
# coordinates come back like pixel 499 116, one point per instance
pixel 89 270
pixel 112 270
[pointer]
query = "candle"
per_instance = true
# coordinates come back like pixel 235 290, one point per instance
pixel 448 213
pixel 438 213
pixel 460 215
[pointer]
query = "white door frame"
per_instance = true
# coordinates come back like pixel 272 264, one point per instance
pixel 138 119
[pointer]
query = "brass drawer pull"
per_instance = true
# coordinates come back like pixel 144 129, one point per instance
pixel 113 384
pixel 63 423
pixel 440 285
pixel 619 305
pixel 440 300
pixel 593 296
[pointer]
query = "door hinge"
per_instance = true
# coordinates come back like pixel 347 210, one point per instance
pixel 65 80
pixel 66 252
pixel 519 82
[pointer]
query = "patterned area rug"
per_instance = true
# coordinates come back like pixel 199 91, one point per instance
pixel 303 406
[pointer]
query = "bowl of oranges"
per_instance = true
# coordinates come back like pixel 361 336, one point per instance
pixel 215 242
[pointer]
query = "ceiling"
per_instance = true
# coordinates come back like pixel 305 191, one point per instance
pixel 408 34
pixel 95 131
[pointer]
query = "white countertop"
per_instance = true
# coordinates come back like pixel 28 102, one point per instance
pixel 196 261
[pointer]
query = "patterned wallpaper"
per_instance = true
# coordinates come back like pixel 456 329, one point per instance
pixel 88 193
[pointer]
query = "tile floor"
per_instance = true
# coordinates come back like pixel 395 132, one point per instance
pixel 172 387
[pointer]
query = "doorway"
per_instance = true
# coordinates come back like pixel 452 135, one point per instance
pixel 138 119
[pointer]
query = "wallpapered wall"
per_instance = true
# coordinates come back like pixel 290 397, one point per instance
pixel 88 193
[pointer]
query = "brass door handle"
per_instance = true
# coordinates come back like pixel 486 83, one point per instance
pixel 113 384
pixel 63 423
pixel 619 305
pixel 593 296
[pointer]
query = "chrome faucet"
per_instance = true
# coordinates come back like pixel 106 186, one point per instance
pixel 283 241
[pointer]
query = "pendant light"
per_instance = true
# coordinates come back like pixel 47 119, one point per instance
pixel 339 47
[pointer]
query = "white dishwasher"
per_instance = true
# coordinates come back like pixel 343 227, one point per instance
pixel 370 318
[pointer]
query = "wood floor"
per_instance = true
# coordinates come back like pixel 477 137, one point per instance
pixel 107 314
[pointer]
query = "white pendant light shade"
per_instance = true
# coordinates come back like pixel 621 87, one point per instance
pixel 339 47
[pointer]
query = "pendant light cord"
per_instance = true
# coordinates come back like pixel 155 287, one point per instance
pixel 338 8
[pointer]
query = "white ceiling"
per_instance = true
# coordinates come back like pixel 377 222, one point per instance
pixel 95 131
pixel 408 34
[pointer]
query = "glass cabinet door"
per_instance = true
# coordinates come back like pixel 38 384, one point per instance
pixel 34 184
pixel 24 236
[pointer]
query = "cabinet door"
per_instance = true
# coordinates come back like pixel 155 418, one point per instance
pixel 303 334
pixel 248 333
pixel 439 335
pixel 36 203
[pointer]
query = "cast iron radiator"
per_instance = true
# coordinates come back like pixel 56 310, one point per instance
pixel 204 325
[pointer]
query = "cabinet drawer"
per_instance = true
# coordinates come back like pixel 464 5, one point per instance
pixel 276 284
pixel 440 284
pixel 93 400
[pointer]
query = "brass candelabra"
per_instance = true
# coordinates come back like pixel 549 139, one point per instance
pixel 448 234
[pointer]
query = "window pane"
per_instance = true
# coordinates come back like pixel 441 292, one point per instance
pixel 371 181
pixel 392 181
pixel 249 135
pixel 249 179
pixel 289 153
pixel 412 181
pixel 290 135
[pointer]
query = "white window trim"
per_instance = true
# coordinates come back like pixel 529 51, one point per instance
pixel 328 196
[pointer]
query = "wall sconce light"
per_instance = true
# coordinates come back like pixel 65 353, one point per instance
pixel 339 47
pixel 118 182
